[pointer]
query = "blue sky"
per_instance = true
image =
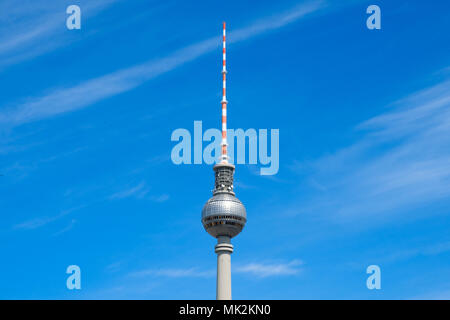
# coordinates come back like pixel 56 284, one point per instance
pixel 86 118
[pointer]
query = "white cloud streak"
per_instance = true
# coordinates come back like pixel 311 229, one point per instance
pixel 268 270
pixel 161 198
pixel 43 221
pixel 436 295
pixel 66 229
pixel 261 270
pixel 138 191
pixel 35 27
pixel 402 162
pixel 70 99
pixel 430 250
pixel 174 273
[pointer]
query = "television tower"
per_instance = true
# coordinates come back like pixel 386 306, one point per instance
pixel 224 216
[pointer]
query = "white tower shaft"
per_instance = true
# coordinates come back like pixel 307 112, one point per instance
pixel 223 249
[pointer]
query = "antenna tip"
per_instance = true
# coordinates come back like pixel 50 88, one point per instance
pixel 224 24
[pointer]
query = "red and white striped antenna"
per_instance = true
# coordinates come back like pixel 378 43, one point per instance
pixel 224 157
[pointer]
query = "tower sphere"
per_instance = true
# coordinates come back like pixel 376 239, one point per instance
pixel 224 214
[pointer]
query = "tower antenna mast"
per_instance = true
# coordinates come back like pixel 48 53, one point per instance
pixel 224 157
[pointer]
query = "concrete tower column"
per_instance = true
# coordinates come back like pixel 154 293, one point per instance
pixel 223 249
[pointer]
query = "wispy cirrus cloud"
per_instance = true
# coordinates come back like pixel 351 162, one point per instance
pixel 262 270
pixel 36 27
pixel 436 295
pixel 174 273
pixel 43 221
pixel 65 100
pixel 401 162
pixel 270 269
pixel 160 198
pixel 66 229
pixel 138 191
pixel 37 222
pixel 424 250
